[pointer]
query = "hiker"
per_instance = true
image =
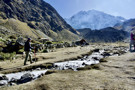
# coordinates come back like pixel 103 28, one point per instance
pixel 132 40
pixel 27 49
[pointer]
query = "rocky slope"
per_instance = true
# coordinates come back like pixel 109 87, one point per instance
pixel 104 35
pixel 127 25
pixel 33 17
pixel 93 19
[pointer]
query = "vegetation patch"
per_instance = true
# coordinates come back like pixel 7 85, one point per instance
pixel 7 56
pixel 50 72
pixel 103 60
pixel 93 66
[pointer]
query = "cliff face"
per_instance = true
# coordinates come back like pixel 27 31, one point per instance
pixel 38 15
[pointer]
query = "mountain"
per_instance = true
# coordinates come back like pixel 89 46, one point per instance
pixel 108 34
pixel 128 25
pixel 34 18
pixel 93 19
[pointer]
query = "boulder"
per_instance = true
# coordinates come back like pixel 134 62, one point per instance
pixel 1 57
pixel 66 44
pixel 26 78
pixel 3 77
pixel 19 44
pixel 14 80
pixel 95 58
pixel 96 50
pixel 81 42
pixel 106 54
pixel 60 46
pixel 3 82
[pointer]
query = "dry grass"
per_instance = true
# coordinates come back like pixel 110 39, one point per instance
pixel 19 27
pixel 64 35
pixel 43 58
pixel 116 74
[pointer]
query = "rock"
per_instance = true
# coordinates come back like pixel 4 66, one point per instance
pixel 73 44
pixel 66 44
pixel 26 78
pixel 1 57
pixel 3 77
pixel 3 82
pixel 59 46
pixel 116 53
pixel 95 58
pixel 14 80
pixel 12 84
pixel 9 47
pixel 1 49
pixel 96 50
pixel 81 42
pixel 106 54
pixel 19 44
pixel 38 68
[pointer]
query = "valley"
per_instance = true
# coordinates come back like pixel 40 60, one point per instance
pixel 114 72
pixel 86 51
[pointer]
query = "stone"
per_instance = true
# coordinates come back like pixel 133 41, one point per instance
pixel 26 78
pixel 106 54
pixel 96 50
pixel 3 77
pixel 95 58
pixel 3 82
pixel 1 57
pixel 13 80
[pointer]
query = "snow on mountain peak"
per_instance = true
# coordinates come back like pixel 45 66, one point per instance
pixel 93 19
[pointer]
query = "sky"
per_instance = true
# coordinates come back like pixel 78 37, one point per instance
pixel 67 8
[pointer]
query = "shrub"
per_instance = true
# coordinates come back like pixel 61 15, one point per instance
pixel 12 37
pixel 7 56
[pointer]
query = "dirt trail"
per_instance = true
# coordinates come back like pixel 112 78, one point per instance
pixel 59 55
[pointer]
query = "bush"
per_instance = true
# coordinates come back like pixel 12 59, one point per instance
pixel 45 51
pixel 49 42
pixel 7 56
pixel 12 37
pixel 20 51
pixel 37 42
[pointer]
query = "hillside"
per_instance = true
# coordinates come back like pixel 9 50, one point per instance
pixel 103 35
pixel 30 18
pixel 128 25
pixel 93 19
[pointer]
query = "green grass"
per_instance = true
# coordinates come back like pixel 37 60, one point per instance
pixel 7 56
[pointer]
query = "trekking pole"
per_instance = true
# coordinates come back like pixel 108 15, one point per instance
pixel 35 54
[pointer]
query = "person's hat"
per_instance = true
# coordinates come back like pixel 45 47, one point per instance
pixel 29 38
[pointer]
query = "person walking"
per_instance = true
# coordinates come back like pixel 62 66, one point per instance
pixel 132 40
pixel 27 49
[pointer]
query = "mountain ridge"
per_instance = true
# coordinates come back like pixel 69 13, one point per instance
pixel 93 19
pixel 37 15
pixel 108 34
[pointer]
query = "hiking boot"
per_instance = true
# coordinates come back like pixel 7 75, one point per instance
pixel 31 62
pixel 25 64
